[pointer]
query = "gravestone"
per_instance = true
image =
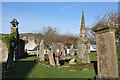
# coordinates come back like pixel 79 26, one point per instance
pixel 3 52
pixel 82 51
pixel 58 47
pixel 41 51
pixel 106 51
pixel 56 57
pixel 57 60
pixel 38 51
pixel 66 49
pixel 54 48
pixel 51 58
pixel 45 51
pixel 62 50
pixel 71 50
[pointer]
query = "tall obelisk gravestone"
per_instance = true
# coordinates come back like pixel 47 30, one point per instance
pixel 82 49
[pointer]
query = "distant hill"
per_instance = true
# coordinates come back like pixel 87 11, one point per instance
pixel 1 34
pixel 23 34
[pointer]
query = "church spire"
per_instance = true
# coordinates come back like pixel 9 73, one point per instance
pixel 83 21
pixel 82 30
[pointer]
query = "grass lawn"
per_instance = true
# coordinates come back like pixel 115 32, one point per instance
pixel 28 68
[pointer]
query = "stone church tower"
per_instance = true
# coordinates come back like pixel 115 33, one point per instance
pixel 82 35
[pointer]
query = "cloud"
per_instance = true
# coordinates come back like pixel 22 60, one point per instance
pixel 67 7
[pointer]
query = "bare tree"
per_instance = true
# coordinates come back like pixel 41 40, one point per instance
pixel 111 17
pixel 91 35
pixel 48 34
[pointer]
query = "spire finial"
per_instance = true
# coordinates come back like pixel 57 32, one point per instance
pixel 83 21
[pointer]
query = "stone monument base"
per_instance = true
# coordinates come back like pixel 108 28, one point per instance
pixel 102 77
pixel 80 67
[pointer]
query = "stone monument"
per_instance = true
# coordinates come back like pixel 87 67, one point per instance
pixel 82 50
pixel 72 50
pixel 56 57
pixel 106 51
pixel 54 48
pixel 3 52
pixel 51 57
pixel 62 50
pixel 66 49
pixel 83 56
pixel 41 53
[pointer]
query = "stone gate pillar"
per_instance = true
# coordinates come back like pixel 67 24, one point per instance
pixel 107 62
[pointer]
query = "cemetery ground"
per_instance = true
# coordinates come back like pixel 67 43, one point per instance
pixel 29 68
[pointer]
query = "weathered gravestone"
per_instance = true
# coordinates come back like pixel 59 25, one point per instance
pixel 66 49
pixel 41 51
pixel 3 52
pixel 106 51
pixel 56 57
pixel 61 48
pixel 58 47
pixel 38 51
pixel 45 51
pixel 82 51
pixel 51 57
pixel 71 50
pixel 57 60
pixel 54 48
